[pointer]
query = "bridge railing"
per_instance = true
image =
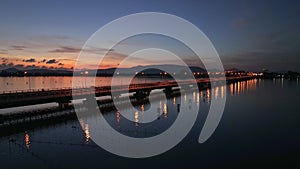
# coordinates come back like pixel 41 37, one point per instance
pixel 120 87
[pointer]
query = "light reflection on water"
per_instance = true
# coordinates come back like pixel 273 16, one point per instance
pixel 203 96
pixel 169 111
pixel 74 137
pixel 27 140
pixel 165 111
pixel 136 118
pixel 118 117
pixel 86 130
pixel 244 86
pixel 170 108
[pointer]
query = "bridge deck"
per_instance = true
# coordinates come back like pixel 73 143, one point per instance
pixel 64 95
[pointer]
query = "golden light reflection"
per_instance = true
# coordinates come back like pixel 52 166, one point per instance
pixel 216 92
pixel 136 118
pixel 174 100
pixel 118 116
pixel 165 111
pixel 184 97
pixel 222 91
pixel 87 133
pixel 242 87
pixel 86 130
pixel 27 140
pixel 198 99
pixel 231 88
pixel 81 123
pixel 143 108
pixel 160 105
pixel 194 96
pixel 208 95
pixel 238 88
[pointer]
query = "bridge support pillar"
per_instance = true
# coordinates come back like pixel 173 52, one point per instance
pixel 90 100
pixel 168 90
pixel 116 95
pixel 204 85
pixel 141 94
pixel 63 105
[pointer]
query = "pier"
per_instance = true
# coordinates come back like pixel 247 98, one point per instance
pixel 64 96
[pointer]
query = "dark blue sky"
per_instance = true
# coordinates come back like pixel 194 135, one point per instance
pixel 250 35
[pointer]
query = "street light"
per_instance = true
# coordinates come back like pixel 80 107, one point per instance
pixel 29 82
pixel 86 73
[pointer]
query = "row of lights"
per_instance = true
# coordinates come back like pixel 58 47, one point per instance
pixel 84 73
pixel 165 73
pixel 161 73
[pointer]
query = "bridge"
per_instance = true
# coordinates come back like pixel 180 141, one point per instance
pixel 65 95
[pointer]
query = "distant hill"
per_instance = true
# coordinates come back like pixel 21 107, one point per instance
pixel 49 72
pixel 145 70
pixel 152 70
pixel 233 70
pixel 11 70
pixel 35 72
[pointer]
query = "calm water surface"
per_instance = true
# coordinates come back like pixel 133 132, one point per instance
pixel 259 129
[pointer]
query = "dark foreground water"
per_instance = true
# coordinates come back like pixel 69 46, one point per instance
pixel 260 128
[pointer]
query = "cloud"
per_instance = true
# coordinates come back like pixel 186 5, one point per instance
pixel 68 49
pixel 18 47
pixel 52 61
pixel 61 64
pixel 284 40
pixel 60 37
pixel 241 23
pixel 92 49
pixel 42 61
pixel 53 38
pixel 65 49
pixel 29 60
pixel 3 60
pixel 3 52
pixel 67 59
pixel 258 60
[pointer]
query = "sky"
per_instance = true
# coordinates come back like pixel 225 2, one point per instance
pixel 251 35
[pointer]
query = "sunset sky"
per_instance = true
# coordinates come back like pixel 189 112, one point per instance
pixel 250 35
